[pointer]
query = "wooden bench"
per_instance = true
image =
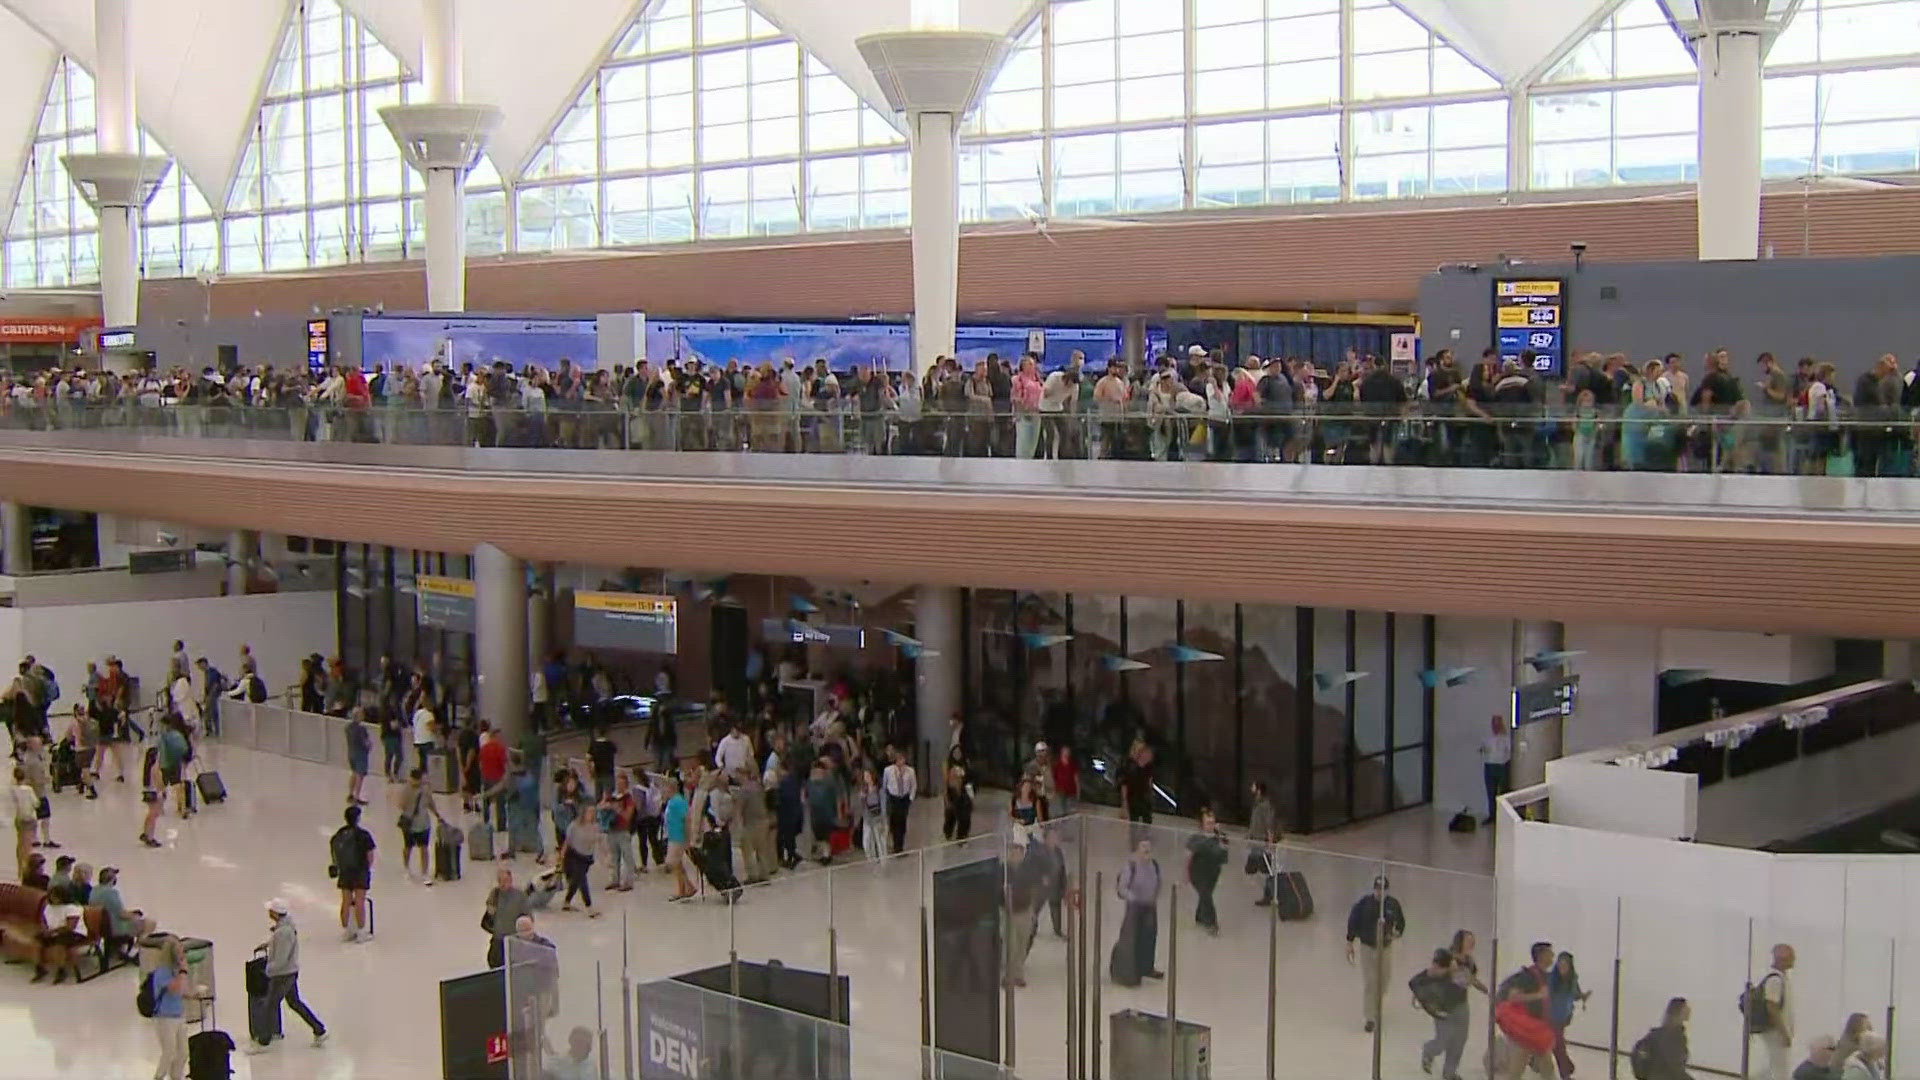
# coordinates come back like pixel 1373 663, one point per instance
pixel 23 914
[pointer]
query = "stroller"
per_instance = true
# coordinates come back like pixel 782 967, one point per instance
pixel 714 857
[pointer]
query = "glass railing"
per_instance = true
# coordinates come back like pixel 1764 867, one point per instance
pixel 1866 443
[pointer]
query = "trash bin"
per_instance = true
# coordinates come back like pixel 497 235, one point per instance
pixel 1137 1047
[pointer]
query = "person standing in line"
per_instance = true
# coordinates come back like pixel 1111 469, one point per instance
pixel 1138 885
pixel 735 749
pixel 423 724
pixel 392 741
pixel 1206 856
pixel 873 837
pixel 418 814
pixel 26 820
pixel 900 785
pixel 359 756
pixel 151 795
pixel 1496 757
pixel 1775 1030
pixel 791 813
pixel 601 752
pixel 351 849
pixel 493 769
pixel 283 973
pixel 167 985
pixel 756 833
pixel 1375 921
pixel 618 818
pixel 174 752
pixel 826 808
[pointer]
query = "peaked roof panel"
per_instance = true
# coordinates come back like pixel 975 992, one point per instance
pixel 27 61
pixel 1510 38
pixel 197 72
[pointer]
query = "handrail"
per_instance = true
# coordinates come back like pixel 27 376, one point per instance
pixel 1639 751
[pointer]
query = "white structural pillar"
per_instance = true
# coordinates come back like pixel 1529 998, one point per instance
pixel 936 625
pixel 934 77
pixel 116 180
pixel 500 625
pixel 1730 40
pixel 443 138
pixel 243 553
pixel 16 538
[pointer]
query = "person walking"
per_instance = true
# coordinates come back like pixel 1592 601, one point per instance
pixel 1452 1026
pixel 577 847
pixel 1528 990
pixel 506 902
pixel 351 848
pixel 1026 887
pixel 1564 992
pixel 392 738
pixel 283 974
pixel 873 837
pixel 167 986
pixel 900 785
pixel 1138 886
pixel 1775 1028
pixel 1375 921
pixel 957 820
pixel 1438 992
pixel 1664 1050
pixel 1206 857
pixel 790 812
pixel 674 821
pixel 423 725
pixel 756 831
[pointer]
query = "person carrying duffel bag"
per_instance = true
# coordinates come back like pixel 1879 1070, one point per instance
pixel 1520 1012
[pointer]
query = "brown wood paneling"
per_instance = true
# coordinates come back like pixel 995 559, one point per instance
pixel 1716 572
pixel 1333 258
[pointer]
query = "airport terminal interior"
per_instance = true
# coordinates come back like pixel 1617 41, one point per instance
pixel 960 539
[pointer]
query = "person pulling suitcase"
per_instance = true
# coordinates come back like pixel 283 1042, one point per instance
pixel 282 972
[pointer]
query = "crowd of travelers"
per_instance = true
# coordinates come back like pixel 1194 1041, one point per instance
pixel 1606 412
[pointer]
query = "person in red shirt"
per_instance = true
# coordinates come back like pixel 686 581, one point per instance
pixel 493 769
pixel 1066 780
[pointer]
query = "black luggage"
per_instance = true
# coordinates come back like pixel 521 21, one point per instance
pixel 64 765
pixel 1121 965
pixel 210 1055
pixel 263 1022
pixel 714 857
pixel 446 853
pixel 212 788
pixel 1291 895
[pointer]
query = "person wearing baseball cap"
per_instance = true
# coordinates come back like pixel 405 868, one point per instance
pixel 283 974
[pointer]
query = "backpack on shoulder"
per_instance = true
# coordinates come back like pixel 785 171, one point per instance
pixel 1640 1059
pixel 1761 1014
pixel 143 1002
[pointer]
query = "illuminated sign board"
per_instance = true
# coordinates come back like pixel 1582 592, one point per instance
pixel 445 603
pixel 319 341
pixel 1530 315
pixel 635 622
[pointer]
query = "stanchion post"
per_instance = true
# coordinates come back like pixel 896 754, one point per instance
pixel 1893 969
pixel 1273 973
pixel 1173 982
pixel 1746 1026
pixel 627 1022
pixel 926 1005
pixel 1379 961
pixel 1006 964
pixel 600 1019
pixel 1099 897
pixel 733 950
pixel 1613 1021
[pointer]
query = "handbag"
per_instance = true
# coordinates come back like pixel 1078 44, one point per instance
pixel 1256 864
pixel 1522 1028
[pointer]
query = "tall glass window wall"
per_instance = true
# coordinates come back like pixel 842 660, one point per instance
pixel 1325 706
pixel 703 120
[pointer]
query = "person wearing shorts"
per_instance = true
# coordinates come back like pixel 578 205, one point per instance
pixel 352 851
pixel 417 816
pixel 675 820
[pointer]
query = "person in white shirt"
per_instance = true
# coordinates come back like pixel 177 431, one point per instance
pixel 422 733
pixel 26 819
pixel 1496 755
pixel 899 785
pixel 735 751
pixel 1778 1036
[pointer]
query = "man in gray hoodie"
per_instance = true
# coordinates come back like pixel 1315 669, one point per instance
pixel 283 973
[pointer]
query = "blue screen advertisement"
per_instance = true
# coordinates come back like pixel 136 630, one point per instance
pixel 1055 344
pixel 412 340
pixel 842 345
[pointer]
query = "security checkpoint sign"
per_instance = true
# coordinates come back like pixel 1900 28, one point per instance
pixel 1530 314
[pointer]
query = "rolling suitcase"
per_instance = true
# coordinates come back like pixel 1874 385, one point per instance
pixel 263 1021
pixel 212 788
pixel 1291 895
pixel 65 766
pixel 480 840
pixel 209 1050
pixel 446 853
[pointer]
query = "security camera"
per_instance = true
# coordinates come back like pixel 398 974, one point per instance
pixel 1578 247
pixel 166 539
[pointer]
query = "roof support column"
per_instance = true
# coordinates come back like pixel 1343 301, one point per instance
pixel 935 77
pixel 116 180
pixel 1729 190
pixel 443 138
pixel 500 639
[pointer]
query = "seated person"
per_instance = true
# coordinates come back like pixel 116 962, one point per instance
pixel 75 888
pixel 36 875
pixel 124 927
pixel 62 877
pixel 60 943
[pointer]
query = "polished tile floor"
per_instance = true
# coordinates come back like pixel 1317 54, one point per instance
pixel 379 999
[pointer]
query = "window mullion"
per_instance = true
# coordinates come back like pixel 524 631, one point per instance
pixel 1048 177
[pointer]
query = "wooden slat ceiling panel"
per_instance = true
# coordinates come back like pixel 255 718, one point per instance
pixel 1845 579
pixel 1331 259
